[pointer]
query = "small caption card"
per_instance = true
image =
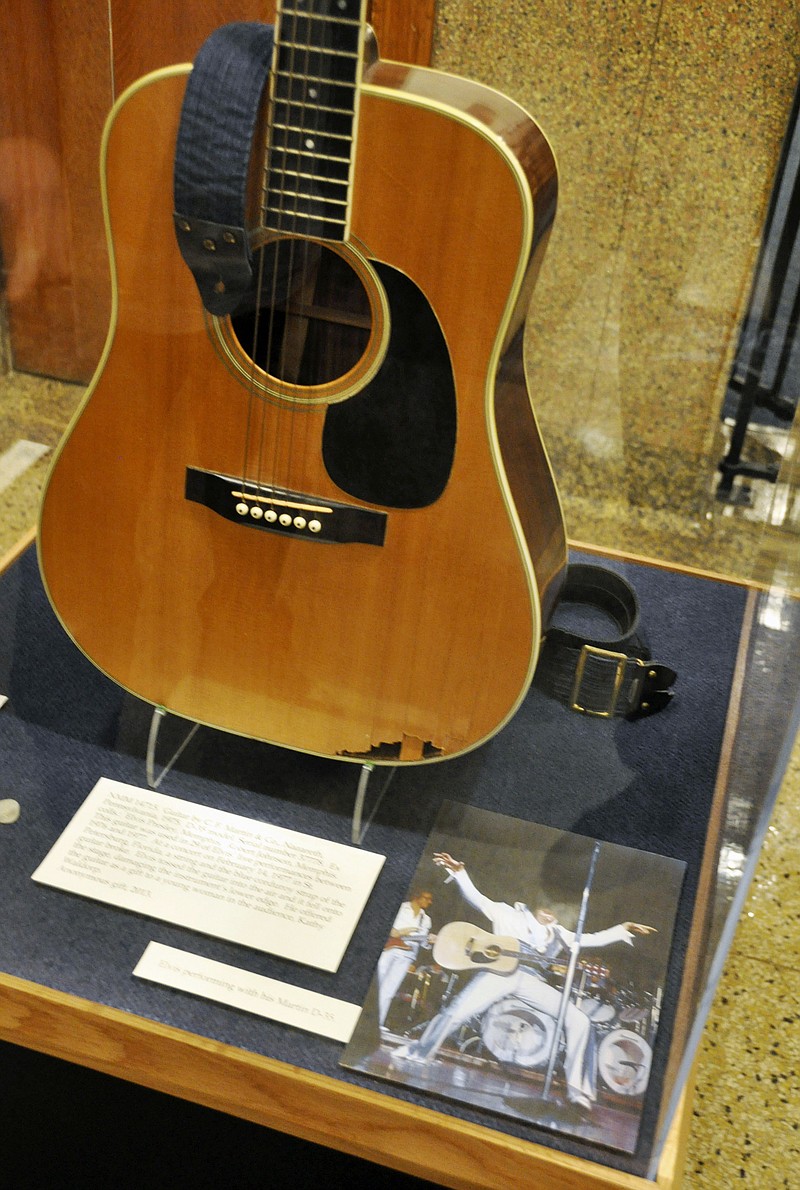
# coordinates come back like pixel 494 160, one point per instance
pixel 245 990
pixel 275 890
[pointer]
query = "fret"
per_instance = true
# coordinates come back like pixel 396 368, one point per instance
pixel 315 74
pixel 312 177
pixel 286 204
pixel 311 199
pixel 324 49
pixel 336 168
pixel 294 89
pixel 325 80
pixel 319 16
pixel 315 144
pixel 317 108
pixel 317 64
pixel 310 184
pixel 319 35
pixel 326 10
pixel 291 223
pixel 313 132
pixel 308 115
pixel 294 218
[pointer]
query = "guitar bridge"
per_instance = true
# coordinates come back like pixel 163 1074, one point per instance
pixel 279 510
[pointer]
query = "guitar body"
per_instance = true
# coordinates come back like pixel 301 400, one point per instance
pixel 462 946
pixel 416 647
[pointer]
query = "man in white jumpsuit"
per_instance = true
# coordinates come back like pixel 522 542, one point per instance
pixel 541 932
pixel 411 928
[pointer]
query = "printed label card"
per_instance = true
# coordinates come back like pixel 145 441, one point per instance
pixel 275 890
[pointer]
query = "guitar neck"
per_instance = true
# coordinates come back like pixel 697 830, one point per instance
pixel 316 75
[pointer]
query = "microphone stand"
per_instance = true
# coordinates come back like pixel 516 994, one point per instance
pixel 570 976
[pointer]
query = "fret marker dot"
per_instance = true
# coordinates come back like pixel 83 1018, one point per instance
pixel 309 143
pixel 312 92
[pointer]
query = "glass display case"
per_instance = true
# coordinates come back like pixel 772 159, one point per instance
pixel 651 353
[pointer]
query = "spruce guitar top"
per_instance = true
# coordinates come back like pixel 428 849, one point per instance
pixel 325 520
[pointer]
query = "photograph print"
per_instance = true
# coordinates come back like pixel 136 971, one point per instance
pixel 524 974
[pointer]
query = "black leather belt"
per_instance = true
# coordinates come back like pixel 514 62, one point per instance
pixel 603 677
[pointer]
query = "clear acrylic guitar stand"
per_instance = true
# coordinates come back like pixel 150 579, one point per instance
pixel 359 825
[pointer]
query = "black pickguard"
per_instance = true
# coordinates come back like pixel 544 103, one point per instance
pixel 393 443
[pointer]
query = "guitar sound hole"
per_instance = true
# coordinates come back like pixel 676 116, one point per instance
pixel 307 319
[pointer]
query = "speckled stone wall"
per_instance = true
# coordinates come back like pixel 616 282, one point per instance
pixel 666 117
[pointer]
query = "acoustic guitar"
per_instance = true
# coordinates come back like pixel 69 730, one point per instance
pixel 462 946
pixel 326 520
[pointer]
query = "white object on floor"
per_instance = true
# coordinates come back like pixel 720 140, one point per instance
pixel 17 459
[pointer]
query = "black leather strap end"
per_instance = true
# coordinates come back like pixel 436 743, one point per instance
pixel 213 159
pixel 654 692
pixel 219 257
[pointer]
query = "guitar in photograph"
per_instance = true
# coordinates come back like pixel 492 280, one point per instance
pixel 461 946
pixel 324 519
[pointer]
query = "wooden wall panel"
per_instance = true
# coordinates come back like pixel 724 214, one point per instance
pixel 56 86
pixel 404 29
pixel 154 33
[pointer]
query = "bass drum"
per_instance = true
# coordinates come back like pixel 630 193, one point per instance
pixel 515 1033
pixel 624 1060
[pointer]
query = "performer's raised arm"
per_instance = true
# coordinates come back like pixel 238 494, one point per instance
pixel 469 892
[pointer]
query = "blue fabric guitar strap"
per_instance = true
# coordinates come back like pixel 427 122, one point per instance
pixel 212 160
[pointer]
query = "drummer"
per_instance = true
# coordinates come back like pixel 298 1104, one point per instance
pixel 548 940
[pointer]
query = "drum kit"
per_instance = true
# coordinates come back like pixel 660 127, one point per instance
pixel 623 1019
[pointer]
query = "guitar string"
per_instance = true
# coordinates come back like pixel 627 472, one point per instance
pixel 257 405
pixel 381 684
pixel 283 247
pixel 285 78
pixel 253 405
pixel 323 98
pixel 314 262
pixel 294 340
pixel 382 694
pixel 303 274
pixel 313 253
pixel 283 277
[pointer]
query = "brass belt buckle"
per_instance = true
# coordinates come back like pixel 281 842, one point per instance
pixel 606 655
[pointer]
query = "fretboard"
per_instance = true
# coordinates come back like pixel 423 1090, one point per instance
pixel 311 144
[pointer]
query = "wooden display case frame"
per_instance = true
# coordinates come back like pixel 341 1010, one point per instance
pixel 362 1122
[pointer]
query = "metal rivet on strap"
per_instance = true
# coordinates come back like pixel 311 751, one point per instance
pixel 210 245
